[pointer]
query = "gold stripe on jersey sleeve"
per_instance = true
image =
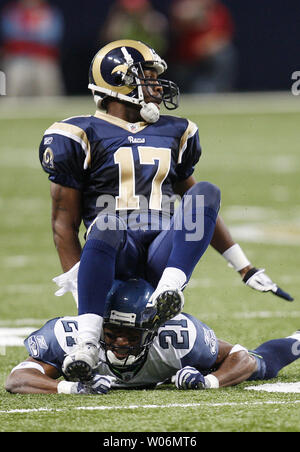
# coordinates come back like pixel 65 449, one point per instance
pixel 75 133
pixel 189 132
pixel 130 127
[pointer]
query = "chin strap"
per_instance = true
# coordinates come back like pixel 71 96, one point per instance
pixel 149 112
pixel 98 100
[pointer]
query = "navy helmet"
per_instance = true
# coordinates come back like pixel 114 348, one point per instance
pixel 117 71
pixel 126 308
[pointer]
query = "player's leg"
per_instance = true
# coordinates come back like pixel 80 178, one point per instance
pixel 174 254
pixel 275 354
pixel 107 240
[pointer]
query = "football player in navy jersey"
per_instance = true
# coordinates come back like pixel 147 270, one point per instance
pixel 136 353
pixel 120 172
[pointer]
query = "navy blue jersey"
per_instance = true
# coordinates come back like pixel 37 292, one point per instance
pixel 102 155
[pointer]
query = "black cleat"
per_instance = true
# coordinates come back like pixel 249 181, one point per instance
pixel 169 303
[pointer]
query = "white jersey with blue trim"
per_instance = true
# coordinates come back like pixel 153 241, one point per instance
pixel 182 341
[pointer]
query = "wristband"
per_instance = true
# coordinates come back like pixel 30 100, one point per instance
pixel 236 257
pixel 211 382
pixel 65 387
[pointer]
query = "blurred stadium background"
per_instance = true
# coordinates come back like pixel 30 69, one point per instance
pixel 266 36
pixel 250 138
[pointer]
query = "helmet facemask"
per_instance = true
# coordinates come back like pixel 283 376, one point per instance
pixel 129 326
pixel 169 92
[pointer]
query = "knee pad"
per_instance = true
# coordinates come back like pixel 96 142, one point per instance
pixel 108 228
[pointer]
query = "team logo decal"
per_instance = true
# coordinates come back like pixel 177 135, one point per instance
pixel 34 348
pixel 48 158
pixel 136 140
pixel 41 342
pixel 211 340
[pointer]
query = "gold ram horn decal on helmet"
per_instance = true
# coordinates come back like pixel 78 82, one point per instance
pixel 99 80
pixel 122 68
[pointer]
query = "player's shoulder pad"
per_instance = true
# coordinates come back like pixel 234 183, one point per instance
pixel 185 130
pixel 53 340
pixel 72 125
pixel 40 340
pixel 178 121
pixel 181 124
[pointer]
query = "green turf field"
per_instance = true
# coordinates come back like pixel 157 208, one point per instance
pixel 251 149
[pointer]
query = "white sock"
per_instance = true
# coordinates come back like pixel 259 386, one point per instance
pixel 89 328
pixel 173 277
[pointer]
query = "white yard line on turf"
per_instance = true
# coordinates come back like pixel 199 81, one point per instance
pixel 137 407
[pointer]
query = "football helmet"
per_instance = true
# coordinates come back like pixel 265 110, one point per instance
pixel 117 71
pixel 126 308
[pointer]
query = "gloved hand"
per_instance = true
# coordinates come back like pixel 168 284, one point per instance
pixel 99 384
pixel 189 378
pixel 258 280
pixel 68 282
